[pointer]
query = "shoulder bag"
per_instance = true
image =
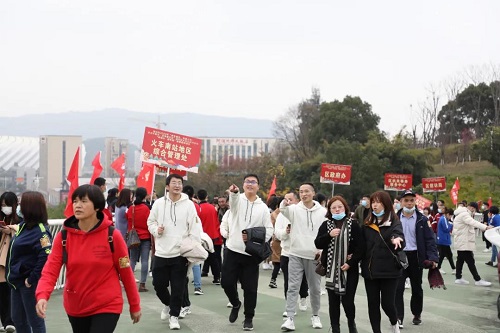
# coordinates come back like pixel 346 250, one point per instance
pixel 400 259
pixel 132 238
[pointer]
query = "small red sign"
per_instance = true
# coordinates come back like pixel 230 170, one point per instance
pixel 397 181
pixel 336 174
pixel 422 202
pixel 436 184
pixel 171 150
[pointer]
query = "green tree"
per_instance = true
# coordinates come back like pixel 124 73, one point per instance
pixel 489 146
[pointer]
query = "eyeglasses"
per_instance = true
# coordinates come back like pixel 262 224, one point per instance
pixel 252 182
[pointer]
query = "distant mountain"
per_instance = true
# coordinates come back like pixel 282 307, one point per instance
pixel 130 125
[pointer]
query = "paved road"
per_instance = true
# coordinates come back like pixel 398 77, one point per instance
pixel 459 309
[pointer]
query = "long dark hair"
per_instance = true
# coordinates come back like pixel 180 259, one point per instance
pixel 10 199
pixel 124 198
pixel 385 199
pixel 34 209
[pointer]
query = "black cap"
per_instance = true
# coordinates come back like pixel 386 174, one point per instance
pixel 409 192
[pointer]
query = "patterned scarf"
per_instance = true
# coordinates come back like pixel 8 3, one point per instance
pixel 336 257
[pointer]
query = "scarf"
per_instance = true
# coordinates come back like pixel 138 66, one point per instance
pixel 434 276
pixel 338 248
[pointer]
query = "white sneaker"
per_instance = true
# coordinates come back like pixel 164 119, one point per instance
pixel 395 328
pixel 288 325
pixel 173 323
pixel 165 313
pixel 316 323
pixel 400 324
pixel 407 283
pixel 453 272
pixel 461 281
pixel 184 312
pixel 322 292
pixel 151 274
pixel 303 304
pixel 229 305
pixel 482 283
pixel 285 314
pixel 442 271
pixel 486 250
pixel 10 329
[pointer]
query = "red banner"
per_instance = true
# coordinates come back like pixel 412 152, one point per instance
pixel 436 184
pixel 397 182
pixel 422 202
pixel 335 173
pixel 454 192
pixel 171 150
pixel 146 177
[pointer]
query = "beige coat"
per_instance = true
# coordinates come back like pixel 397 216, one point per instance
pixel 463 230
pixel 4 249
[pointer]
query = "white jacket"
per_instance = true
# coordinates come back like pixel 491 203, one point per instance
pixel 305 224
pixel 463 230
pixel 224 226
pixel 244 215
pixel 179 219
pixel 280 232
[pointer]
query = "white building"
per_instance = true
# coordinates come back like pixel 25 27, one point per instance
pixel 223 150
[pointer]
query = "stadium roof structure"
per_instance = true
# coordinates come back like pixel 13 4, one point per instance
pixel 21 150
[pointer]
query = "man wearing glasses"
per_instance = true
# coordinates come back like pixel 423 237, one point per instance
pixel 247 211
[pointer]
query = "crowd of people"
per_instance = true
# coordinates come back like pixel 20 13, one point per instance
pixel 312 240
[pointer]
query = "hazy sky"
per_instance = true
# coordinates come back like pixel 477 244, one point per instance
pixel 234 57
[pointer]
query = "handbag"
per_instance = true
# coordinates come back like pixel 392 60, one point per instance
pixel 132 238
pixel 256 244
pixel 320 269
pixel 400 259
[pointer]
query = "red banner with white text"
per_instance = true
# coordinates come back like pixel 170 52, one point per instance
pixel 398 181
pixel 436 184
pixel 335 173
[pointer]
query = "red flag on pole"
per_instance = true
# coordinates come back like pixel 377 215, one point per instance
pixel 490 202
pixel 73 180
pixel 454 192
pixel 119 166
pixel 146 177
pixel 96 163
pixel 273 187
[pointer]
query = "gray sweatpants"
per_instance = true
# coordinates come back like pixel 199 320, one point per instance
pixel 296 268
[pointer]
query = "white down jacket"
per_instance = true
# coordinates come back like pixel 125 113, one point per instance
pixel 463 230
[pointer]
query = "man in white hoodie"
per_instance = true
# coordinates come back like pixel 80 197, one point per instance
pixel 305 218
pixel 172 219
pixel 247 211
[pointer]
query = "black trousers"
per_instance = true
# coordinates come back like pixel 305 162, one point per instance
pixel 276 270
pixel 468 257
pixel 5 304
pixel 245 269
pixel 98 323
pixel 214 261
pixel 381 292
pixel 445 252
pixel 173 272
pixel 347 300
pixel 185 295
pixel 303 291
pixel 414 272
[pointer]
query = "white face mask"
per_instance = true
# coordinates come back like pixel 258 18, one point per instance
pixel 7 210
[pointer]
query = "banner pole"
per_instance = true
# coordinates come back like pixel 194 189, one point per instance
pixel 333 189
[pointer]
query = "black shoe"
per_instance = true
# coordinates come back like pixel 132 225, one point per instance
pixel 335 329
pixel 352 327
pixel 273 284
pixel 216 281
pixel 247 324
pixel 234 313
pixel 489 263
pixel 203 274
pixel 417 320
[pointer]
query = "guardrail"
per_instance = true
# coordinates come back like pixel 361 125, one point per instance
pixel 55 226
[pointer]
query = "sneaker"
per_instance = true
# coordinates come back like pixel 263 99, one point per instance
pixel 151 274
pixel 489 263
pixel 416 320
pixel 10 329
pixel 400 324
pixel 453 272
pixel 395 328
pixel 165 313
pixel 407 283
pixel 288 325
pixel 173 323
pixel 216 282
pixel 303 304
pixel 285 314
pixel 442 271
pixel 322 292
pixel 495 265
pixel 266 266
pixel 198 291
pixel 486 250
pixel 461 281
pixel 482 283
pixel 229 305
pixel 316 323
pixel 184 312
pixel 247 324
pixel 234 313
pixel 273 284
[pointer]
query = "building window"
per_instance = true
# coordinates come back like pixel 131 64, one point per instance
pixel 249 151
pixel 237 151
pixel 255 152
pixel 266 147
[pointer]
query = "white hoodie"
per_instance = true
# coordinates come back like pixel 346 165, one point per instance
pixel 280 232
pixel 305 224
pixel 244 215
pixel 179 219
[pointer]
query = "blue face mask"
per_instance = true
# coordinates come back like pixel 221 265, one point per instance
pixel 398 206
pixel 440 210
pixel 18 211
pixel 408 210
pixel 338 217
pixel 382 212
pixel 364 203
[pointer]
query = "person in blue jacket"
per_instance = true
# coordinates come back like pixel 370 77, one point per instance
pixel 494 221
pixel 27 255
pixel 443 240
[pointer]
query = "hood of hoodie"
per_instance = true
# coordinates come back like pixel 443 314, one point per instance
pixel 461 210
pixel 70 224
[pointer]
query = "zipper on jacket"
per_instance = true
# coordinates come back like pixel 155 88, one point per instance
pixel 10 254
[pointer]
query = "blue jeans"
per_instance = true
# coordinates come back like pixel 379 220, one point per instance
pixel 144 250
pixel 197 275
pixel 494 253
pixel 23 302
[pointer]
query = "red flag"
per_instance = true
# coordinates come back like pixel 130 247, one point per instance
pixel 119 166
pixel 146 177
pixel 454 192
pixel 273 187
pixel 73 180
pixel 490 202
pixel 96 162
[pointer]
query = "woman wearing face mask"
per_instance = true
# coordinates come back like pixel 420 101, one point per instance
pixel 340 239
pixel 382 235
pixel 8 216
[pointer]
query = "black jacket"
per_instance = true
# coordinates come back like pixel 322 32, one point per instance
pixel 378 255
pixel 323 239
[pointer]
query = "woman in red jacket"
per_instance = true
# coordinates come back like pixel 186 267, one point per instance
pixel 137 217
pixel 95 264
